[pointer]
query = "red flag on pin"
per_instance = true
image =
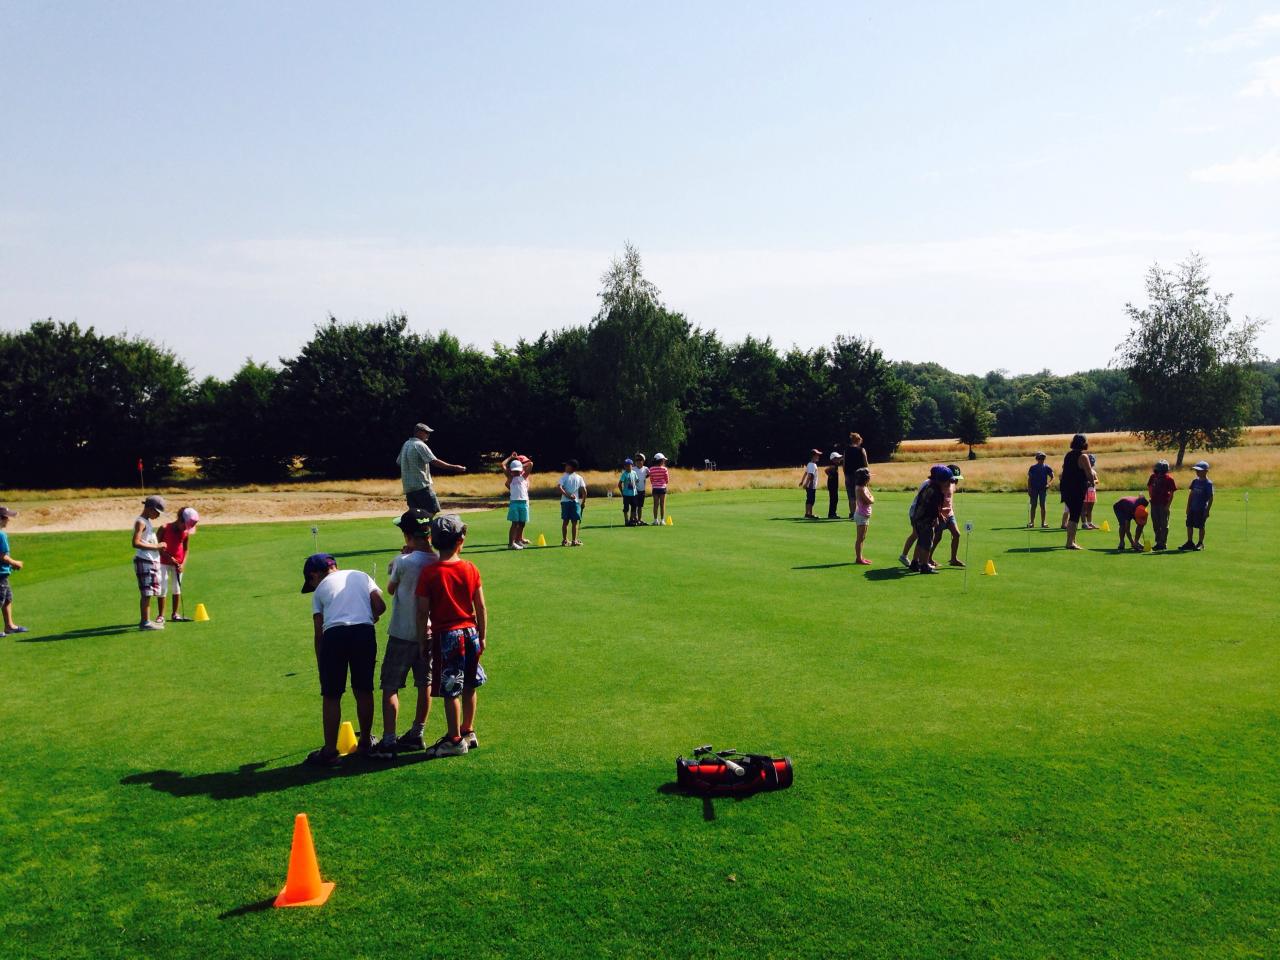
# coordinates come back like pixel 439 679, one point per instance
pixel 139 464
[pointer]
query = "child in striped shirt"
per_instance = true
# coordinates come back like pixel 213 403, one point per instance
pixel 658 480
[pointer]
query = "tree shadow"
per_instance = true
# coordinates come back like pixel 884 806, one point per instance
pixel 250 779
pixel 827 566
pixel 107 631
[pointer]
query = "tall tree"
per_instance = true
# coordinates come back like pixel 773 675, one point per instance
pixel 974 422
pixel 634 370
pixel 1190 364
pixel 236 425
pixel 82 409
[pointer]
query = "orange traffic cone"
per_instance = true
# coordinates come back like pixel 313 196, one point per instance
pixel 302 887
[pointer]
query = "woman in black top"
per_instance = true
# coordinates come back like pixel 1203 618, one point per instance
pixel 855 458
pixel 1077 473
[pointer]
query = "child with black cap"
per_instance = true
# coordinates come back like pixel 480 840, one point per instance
pixel 146 560
pixel 403 652
pixel 346 605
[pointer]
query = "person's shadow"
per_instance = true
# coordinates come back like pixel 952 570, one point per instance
pixel 107 631
pixel 250 779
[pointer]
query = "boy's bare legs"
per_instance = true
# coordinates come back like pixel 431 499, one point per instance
pixel 468 709
pixel 8 616
pixel 390 712
pixel 331 718
pixel 144 603
pixel 564 532
pixel 364 714
pixel 955 548
pixel 1071 537
pixel 423 707
pixel 160 606
pixel 452 715
pixel 574 525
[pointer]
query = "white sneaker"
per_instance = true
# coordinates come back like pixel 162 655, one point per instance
pixel 444 747
pixel 150 625
pixel 514 546
pixel 470 740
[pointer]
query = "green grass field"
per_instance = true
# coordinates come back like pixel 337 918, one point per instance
pixel 1076 758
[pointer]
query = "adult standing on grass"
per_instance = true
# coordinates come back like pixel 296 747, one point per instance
pixel 1077 474
pixel 415 462
pixel 855 458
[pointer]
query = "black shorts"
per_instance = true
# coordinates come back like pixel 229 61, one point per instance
pixel 1196 519
pixel 1074 502
pixel 1038 496
pixel 810 496
pixel 348 647
pixel 424 499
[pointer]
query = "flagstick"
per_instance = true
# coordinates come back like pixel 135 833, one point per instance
pixel 968 540
pixel 1246 516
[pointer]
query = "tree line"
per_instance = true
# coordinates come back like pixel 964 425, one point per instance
pixel 83 408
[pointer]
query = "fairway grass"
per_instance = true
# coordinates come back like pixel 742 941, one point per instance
pixel 1074 758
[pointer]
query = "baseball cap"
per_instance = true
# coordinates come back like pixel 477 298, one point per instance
pixel 188 517
pixel 414 521
pixel 955 471
pixel 659 456
pixel 939 472
pixel 1040 455
pixel 628 460
pixel 1202 465
pixel 316 563
pixel 154 502
pixel 448 526
pixel 815 452
pixel 422 428
pixel 515 466
pixel 6 512
pixel 834 455
pixel 1162 466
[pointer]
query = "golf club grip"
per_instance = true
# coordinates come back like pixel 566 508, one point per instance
pixel 734 768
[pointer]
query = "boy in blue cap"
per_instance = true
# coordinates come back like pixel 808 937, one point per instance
pixel 1199 503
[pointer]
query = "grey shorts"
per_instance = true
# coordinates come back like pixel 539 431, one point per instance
pixel 6 591
pixel 424 499
pixel 400 657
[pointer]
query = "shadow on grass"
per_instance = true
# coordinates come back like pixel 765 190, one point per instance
pixel 827 566
pixel 888 573
pixel 811 519
pixel 257 907
pixel 250 779
pixel 708 807
pixel 84 634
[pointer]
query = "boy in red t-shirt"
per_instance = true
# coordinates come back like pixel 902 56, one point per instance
pixel 451 600
pixel 1160 488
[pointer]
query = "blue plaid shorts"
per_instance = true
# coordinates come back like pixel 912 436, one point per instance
pixel 460 657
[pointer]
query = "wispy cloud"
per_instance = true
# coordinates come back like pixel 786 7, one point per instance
pixel 1243 171
pixel 1213 13
pixel 1266 79
pixel 1244 38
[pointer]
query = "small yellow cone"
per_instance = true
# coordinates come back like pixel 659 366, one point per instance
pixel 990 569
pixel 542 540
pixel 347 741
pixel 201 613
pixel 668 522
pixel 1106 527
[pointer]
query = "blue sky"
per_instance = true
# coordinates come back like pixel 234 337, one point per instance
pixel 980 185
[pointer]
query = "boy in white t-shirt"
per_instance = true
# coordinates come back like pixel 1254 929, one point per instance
pixel 403 652
pixel 642 480
pixel 809 483
pixel 573 500
pixel 346 605
pixel 146 560
pixel 518 504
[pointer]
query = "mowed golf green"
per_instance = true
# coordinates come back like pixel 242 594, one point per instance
pixel 1075 758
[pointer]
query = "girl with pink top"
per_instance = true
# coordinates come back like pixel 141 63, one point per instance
pixel 658 479
pixel 863 498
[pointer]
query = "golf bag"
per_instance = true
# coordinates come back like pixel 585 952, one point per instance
pixel 730 773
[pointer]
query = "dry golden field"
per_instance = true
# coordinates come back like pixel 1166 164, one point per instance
pixel 1123 464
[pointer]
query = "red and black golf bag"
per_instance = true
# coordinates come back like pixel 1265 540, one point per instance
pixel 730 773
